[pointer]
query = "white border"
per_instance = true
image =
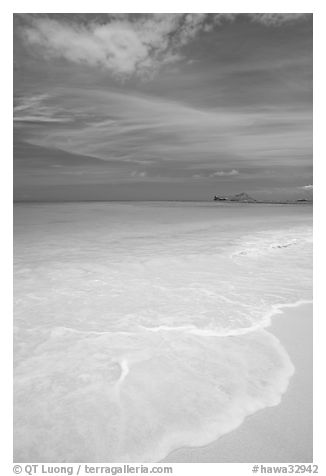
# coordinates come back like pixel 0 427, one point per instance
pixel 122 6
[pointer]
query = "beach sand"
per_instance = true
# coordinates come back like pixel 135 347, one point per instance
pixel 280 434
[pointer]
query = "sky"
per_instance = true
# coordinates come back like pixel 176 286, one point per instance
pixel 162 106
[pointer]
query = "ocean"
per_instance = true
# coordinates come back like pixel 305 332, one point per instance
pixel 142 327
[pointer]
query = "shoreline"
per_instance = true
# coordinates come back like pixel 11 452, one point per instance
pixel 279 434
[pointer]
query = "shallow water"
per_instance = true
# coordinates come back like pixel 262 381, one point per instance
pixel 141 328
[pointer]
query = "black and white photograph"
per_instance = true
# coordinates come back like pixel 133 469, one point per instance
pixel 162 239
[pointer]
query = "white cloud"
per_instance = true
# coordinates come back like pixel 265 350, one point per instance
pixel 307 187
pixel 221 173
pixel 122 45
pixel 277 19
pixel 139 174
pixel 128 44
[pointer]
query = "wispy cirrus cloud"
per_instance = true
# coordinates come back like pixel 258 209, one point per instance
pixel 162 137
pixel 37 109
pixel 41 119
pixel 128 44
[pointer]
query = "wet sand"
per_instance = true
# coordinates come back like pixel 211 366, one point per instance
pixel 283 433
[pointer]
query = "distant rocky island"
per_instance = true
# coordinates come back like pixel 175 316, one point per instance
pixel 245 198
pixel 239 197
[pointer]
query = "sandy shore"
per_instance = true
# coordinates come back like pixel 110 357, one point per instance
pixel 278 434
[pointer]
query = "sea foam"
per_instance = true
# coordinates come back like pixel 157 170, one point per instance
pixel 136 398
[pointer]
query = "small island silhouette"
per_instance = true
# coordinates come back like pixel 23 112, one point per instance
pixel 243 197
